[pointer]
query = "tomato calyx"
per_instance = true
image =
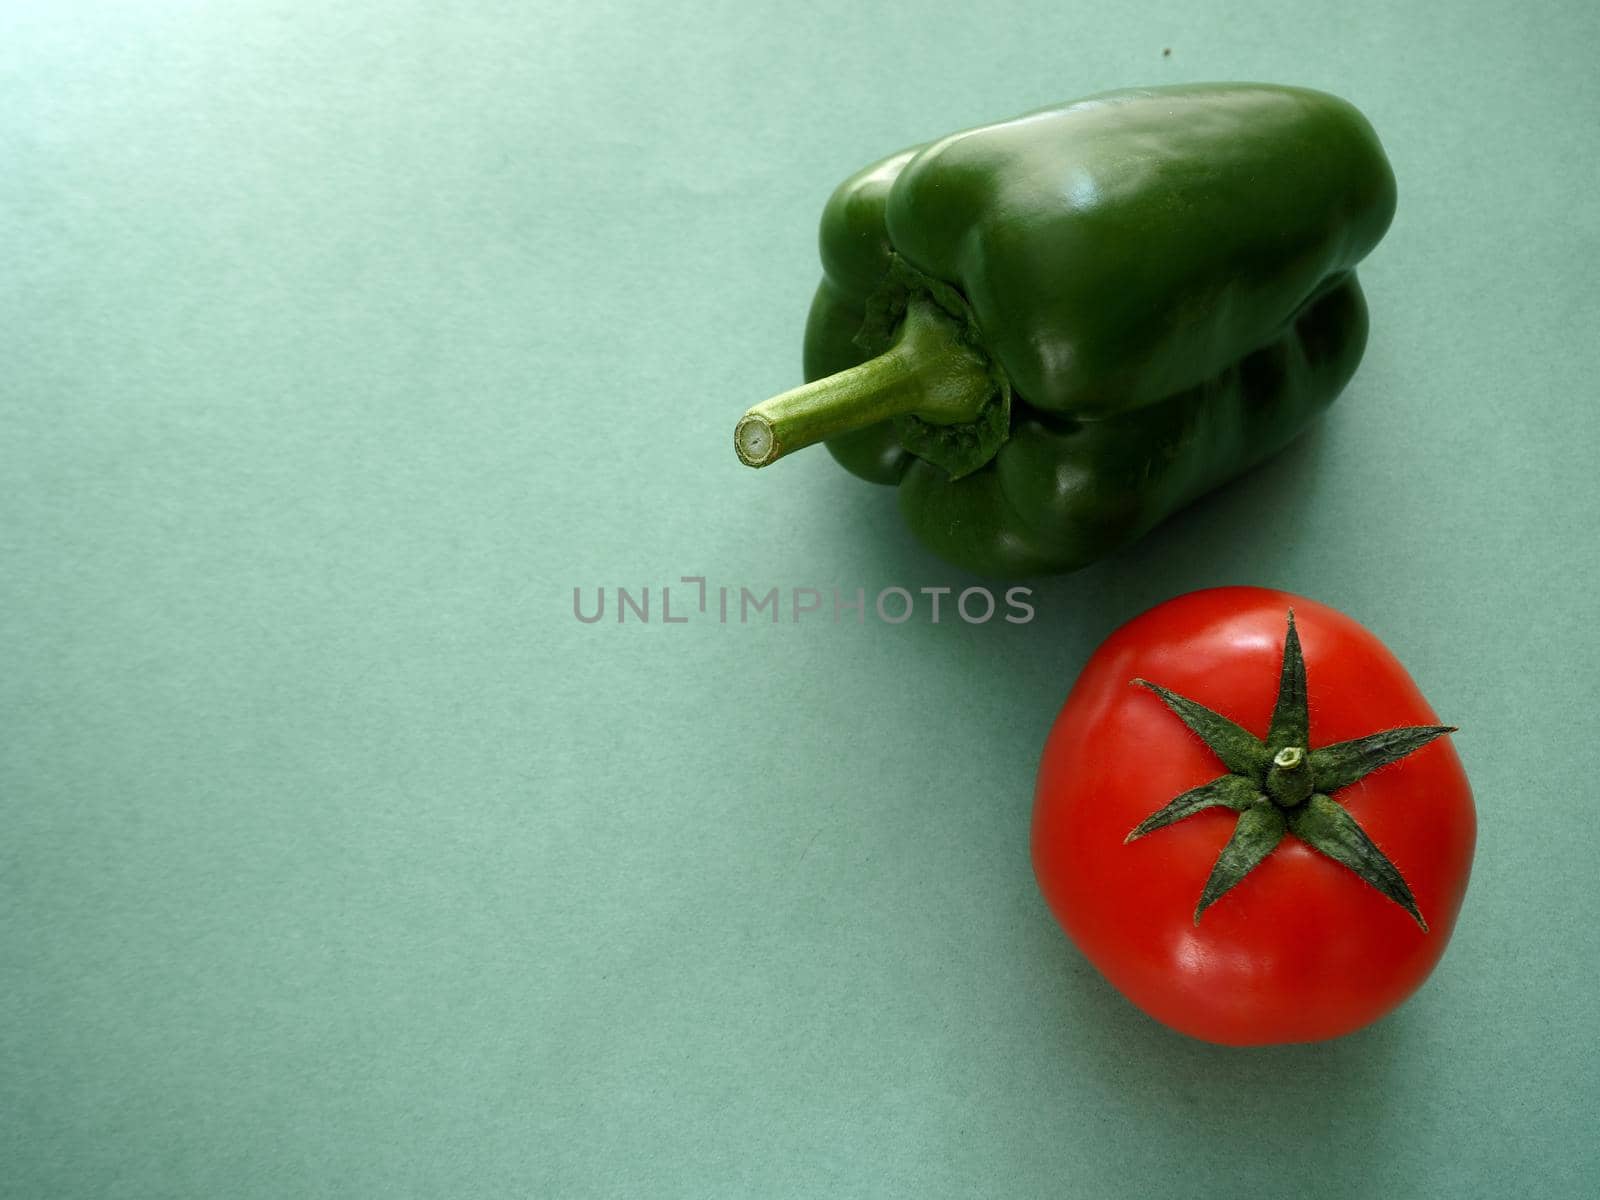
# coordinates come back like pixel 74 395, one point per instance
pixel 1283 785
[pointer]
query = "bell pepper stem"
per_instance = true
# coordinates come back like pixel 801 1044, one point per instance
pixel 929 372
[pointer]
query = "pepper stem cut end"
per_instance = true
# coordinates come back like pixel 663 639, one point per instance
pixel 754 442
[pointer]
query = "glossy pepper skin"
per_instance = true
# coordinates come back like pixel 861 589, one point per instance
pixel 1124 302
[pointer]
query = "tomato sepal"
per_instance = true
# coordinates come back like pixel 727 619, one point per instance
pixel 1328 828
pixel 1241 751
pixel 1259 830
pixel 1344 763
pixel 1225 791
pixel 1291 715
pixel 1280 785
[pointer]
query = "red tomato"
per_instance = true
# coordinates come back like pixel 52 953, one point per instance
pixel 1302 948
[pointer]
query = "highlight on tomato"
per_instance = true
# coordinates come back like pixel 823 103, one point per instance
pixel 1251 822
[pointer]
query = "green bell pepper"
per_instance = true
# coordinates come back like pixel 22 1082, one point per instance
pixel 1055 331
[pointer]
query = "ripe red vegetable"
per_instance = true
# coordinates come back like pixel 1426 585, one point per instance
pixel 1268 839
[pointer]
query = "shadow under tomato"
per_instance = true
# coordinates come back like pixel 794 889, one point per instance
pixel 1313 1119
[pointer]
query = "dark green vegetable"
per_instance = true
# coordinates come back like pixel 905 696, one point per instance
pixel 1054 332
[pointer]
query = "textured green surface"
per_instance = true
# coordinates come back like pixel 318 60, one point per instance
pixel 338 343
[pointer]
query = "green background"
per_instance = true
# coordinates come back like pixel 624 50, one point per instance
pixel 340 342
